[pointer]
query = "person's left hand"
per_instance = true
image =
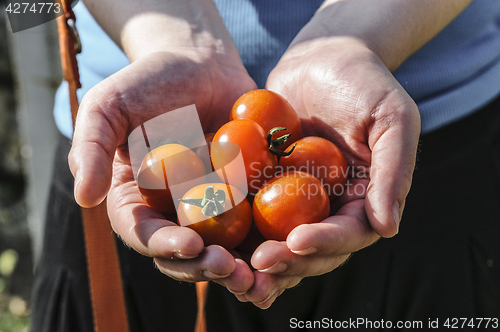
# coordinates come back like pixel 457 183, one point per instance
pixel 342 92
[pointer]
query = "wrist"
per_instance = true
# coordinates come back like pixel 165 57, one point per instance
pixel 151 26
pixel 335 52
pixel 391 29
pixel 157 32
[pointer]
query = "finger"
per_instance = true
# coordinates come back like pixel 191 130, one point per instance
pixel 315 249
pixel 275 258
pixel 393 140
pixel 146 230
pixel 143 228
pixel 179 251
pixel 267 287
pixel 160 238
pixel 93 148
pixel 213 263
pixel 239 281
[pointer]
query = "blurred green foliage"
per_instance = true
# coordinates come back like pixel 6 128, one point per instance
pixel 14 314
pixel 8 261
pixel 12 323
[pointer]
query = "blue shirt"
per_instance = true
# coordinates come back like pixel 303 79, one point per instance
pixel 453 75
pixel 458 71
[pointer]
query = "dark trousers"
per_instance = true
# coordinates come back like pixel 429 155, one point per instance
pixel 443 264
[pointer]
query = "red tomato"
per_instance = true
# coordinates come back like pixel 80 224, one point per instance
pixel 184 168
pixel 287 201
pixel 321 158
pixel 224 218
pixel 259 161
pixel 269 110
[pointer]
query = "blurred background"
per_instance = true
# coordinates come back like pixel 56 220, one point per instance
pixel 30 72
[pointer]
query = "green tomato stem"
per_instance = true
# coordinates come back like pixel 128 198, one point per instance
pixel 212 204
pixel 278 142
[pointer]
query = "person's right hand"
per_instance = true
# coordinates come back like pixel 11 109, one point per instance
pixel 100 161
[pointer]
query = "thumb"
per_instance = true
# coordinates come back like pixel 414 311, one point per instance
pixel 394 142
pixel 92 152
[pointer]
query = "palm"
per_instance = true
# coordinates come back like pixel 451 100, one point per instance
pixel 351 99
pixel 357 104
pixel 147 88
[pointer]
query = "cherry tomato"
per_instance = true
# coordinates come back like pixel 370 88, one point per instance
pixel 321 158
pixel 183 167
pixel 218 212
pixel 259 161
pixel 269 110
pixel 287 201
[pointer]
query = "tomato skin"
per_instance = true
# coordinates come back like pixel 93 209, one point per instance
pixel 269 109
pixel 228 229
pixel 321 158
pixel 288 200
pixel 185 168
pixel 259 163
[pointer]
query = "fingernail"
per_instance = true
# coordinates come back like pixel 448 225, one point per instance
pixel 210 275
pixel 236 293
pixel 271 294
pixel 396 213
pixel 278 267
pixel 183 256
pixel 308 251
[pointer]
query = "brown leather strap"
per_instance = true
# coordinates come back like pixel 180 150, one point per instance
pixel 106 286
pixel 68 50
pixel 201 294
pixel 105 282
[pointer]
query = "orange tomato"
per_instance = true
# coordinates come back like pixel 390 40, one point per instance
pixel 165 166
pixel 218 212
pixel 288 200
pixel 259 161
pixel 321 158
pixel 269 109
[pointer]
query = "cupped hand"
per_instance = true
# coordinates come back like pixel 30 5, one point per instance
pixel 100 161
pixel 342 92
